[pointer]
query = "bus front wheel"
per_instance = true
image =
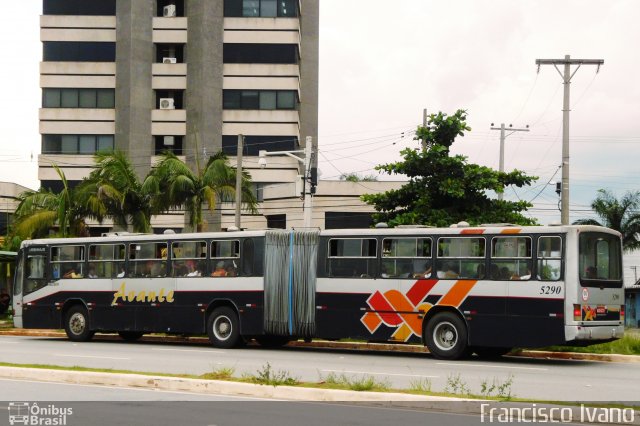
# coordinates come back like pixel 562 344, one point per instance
pixel 222 328
pixel 446 336
pixel 76 324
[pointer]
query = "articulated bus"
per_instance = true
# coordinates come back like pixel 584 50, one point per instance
pixel 457 290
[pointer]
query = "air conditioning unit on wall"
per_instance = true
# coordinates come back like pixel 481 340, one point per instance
pixel 169 140
pixel 167 103
pixel 169 61
pixel 169 11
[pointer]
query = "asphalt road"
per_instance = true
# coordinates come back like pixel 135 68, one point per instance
pixel 99 405
pixel 530 378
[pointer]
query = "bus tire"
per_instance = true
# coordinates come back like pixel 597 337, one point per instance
pixel 76 324
pixel 223 328
pixel 446 336
pixel 490 353
pixel 130 336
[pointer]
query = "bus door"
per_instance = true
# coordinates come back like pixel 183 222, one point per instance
pixel 17 291
pixel 535 307
pixel 34 278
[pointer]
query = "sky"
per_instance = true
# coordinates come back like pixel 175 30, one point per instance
pixel 382 63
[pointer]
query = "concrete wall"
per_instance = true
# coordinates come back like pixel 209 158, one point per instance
pixel 134 97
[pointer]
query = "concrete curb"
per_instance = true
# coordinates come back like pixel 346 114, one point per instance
pixel 353 346
pixel 179 384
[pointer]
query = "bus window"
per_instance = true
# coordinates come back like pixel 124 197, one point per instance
pixel 352 257
pixel 599 257
pixel 461 258
pixel 67 261
pixel 510 258
pixel 406 258
pixel 106 261
pixel 225 258
pixel 147 260
pixel 549 266
pixel 189 258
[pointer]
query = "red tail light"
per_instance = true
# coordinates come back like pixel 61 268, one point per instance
pixel 577 313
pixel 622 312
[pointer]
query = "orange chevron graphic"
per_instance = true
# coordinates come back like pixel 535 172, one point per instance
pixel 395 309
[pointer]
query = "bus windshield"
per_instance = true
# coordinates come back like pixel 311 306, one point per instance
pixel 600 263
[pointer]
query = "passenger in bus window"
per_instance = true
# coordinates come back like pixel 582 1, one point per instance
pixel 71 273
pixel 449 271
pixel 219 271
pixel 591 272
pixel 480 271
pixel 231 271
pixel 505 274
pixel 495 272
pixel 426 273
pixel 121 273
pixel 527 275
pixel 192 271
pixel 91 272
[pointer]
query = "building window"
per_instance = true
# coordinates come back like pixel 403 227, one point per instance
pixel 276 221
pixel 78 51
pixel 176 95
pixel 78 98
pixel 245 53
pixel 261 8
pixel 253 144
pixel 166 53
pixel 168 143
pixel 76 144
pixel 79 7
pixel 259 99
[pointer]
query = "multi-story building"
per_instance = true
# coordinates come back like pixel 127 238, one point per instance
pixel 189 76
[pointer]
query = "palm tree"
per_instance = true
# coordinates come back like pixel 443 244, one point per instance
pixel 174 185
pixel 41 210
pixel 621 215
pixel 113 189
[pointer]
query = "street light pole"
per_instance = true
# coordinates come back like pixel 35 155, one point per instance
pixel 306 162
pixel 239 180
pixel 566 80
pixel 503 136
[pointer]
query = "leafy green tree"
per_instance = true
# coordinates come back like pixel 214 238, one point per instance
pixel 445 189
pixel 40 211
pixel 114 190
pixel 621 215
pixel 174 185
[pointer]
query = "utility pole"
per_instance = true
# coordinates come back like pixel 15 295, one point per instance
pixel 239 180
pixel 424 124
pixel 635 273
pixel 308 150
pixel 503 136
pixel 566 79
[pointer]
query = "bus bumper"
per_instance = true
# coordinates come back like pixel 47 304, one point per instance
pixel 593 332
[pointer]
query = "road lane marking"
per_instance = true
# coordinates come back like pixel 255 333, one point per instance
pixel 90 356
pixel 491 366
pixel 189 350
pixel 380 374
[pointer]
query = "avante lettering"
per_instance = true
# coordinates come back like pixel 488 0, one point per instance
pixel 141 296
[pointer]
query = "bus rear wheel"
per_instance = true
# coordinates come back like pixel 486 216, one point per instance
pixel 446 336
pixel 130 336
pixel 76 324
pixel 223 328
